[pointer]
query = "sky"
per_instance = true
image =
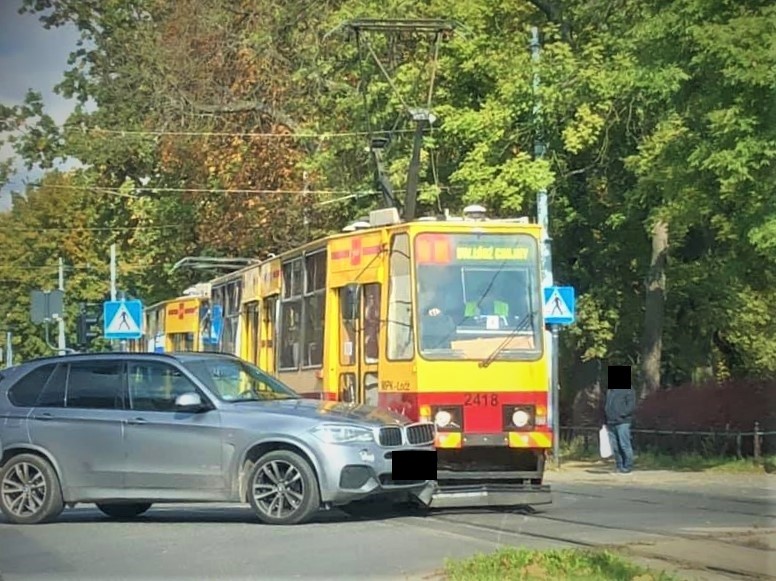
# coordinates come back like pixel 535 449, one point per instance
pixel 31 57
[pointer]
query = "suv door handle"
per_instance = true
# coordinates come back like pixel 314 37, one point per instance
pixel 45 416
pixel 137 421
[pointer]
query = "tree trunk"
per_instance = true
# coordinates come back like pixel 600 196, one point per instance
pixel 655 309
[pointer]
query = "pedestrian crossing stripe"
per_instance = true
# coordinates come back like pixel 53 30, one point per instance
pixel 122 322
pixel 555 306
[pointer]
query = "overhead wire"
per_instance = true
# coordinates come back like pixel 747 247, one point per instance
pixel 346 194
pixel 156 133
pixel 157 189
pixel 80 266
pixel 97 228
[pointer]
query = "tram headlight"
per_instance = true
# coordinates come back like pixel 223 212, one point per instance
pixel 448 418
pixel 521 418
pixel 443 418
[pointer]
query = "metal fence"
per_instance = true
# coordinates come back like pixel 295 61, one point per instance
pixel 731 443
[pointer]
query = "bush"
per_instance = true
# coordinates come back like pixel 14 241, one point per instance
pixel 565 564
pixel 735 405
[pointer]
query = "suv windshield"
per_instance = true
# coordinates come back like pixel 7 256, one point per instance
pixel 234 380
pixel 478 294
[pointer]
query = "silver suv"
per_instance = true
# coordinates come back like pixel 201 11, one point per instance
pixel 125 430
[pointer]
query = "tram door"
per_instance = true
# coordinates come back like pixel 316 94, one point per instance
pixel 252 330
pixel 359 343
pixel 266 338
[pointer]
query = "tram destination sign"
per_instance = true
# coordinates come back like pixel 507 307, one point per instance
pixel 491 252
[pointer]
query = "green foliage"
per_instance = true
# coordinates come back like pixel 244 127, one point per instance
pixel 648 111
pixel 51 222
pixel 527 565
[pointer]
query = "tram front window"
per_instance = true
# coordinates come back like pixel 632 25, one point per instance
pixel 477 294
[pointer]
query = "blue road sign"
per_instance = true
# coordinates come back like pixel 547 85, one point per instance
pixel 123 319
pixel 212 320
pixel 559 305
pixel 217 323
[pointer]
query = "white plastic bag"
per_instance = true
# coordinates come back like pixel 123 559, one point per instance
pixel 604 446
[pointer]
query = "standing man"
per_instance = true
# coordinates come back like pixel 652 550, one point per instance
pixel 620 405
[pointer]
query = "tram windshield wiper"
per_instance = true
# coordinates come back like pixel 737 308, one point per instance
pixel 508 339
pixel 530 316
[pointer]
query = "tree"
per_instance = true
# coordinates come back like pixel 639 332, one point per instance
pixel 653 130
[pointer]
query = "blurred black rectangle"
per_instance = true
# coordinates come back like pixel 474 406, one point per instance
pixel 414 465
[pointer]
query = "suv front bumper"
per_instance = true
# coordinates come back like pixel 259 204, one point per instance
pixel 353 473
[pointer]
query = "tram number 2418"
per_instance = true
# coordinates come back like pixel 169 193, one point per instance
pixel 482 399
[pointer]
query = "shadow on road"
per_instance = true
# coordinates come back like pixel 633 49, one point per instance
pixel 356 513
pixel 598 470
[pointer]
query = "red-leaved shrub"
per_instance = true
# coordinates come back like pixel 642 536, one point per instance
pixel 735 405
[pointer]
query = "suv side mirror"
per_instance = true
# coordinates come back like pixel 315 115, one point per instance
pixel 190 402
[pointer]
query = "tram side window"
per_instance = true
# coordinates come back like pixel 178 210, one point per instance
pixel 371 335
pixel 159 314
pixel 314 307
pixel 231 298
pixel 347 327
pixel 183 341
pixel 291 316
pixel 401 340
pixel 150 321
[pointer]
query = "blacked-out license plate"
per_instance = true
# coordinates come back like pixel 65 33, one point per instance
pixel 414 465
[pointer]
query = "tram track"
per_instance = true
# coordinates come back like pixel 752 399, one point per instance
pixel 709 498
pixel 645 531
pixel 469 529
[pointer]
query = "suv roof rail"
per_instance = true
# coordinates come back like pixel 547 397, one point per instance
pixel 107 354
pixel 222 353
pixel 92 354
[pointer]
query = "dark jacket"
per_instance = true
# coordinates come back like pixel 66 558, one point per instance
pixel 620 404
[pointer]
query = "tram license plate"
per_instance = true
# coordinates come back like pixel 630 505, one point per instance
pixel 481 399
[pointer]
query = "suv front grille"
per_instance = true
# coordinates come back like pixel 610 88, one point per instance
pixel 390 436
pixel 420 434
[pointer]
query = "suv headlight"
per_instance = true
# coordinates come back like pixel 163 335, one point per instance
pixel 332 434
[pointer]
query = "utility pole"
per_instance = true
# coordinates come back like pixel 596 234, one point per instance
pixel 8 349
pixel 61 343
pixel 112 272
pixel 112 282
pixel 543 213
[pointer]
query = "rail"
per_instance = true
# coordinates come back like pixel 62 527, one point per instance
pixel 739 443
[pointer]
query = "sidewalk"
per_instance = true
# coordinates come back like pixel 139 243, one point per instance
pixel 602 471
pixel 750 553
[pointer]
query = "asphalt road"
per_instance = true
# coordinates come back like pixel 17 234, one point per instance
pixel 707 527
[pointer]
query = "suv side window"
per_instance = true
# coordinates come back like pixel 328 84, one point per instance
pixel 154 386
pixel 95 385
pixel 26 391
pixel 53 395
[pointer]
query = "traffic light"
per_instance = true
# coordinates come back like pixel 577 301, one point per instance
pixel 87 324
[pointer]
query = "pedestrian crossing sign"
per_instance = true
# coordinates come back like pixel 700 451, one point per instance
pixel 123 319
pixel 559 306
